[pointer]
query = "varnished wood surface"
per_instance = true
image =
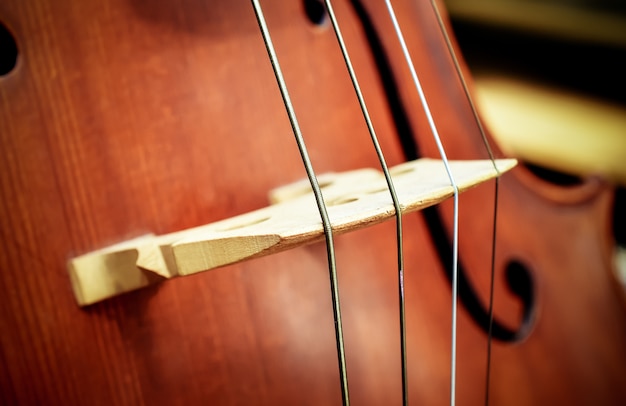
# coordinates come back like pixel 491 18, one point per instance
pixel 125 117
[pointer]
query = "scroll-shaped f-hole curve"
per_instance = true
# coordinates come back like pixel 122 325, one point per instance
pixel 8 50
pixel 518 278
pixel 517 275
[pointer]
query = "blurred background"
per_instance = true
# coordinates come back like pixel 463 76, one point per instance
pixel 551 86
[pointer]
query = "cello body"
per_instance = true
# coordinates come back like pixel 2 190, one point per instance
pixel 126 117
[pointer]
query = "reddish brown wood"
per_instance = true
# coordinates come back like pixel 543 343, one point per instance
pixel 128 116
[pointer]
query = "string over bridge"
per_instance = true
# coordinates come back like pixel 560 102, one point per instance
pixel 355 199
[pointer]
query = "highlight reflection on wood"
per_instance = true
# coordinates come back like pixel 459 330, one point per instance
pixel 355 199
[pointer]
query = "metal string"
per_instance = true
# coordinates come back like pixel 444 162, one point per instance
pixel 392 191
pixel 318 198
pixel 322 208
pixel 478 121
pixel 444 158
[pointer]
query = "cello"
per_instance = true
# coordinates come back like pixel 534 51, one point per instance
pixel 130 117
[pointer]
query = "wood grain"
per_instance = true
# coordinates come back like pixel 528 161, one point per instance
pixel 128 117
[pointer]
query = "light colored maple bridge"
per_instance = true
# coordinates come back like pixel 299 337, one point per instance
pixel 354 200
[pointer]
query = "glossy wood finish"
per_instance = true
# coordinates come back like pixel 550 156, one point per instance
pixel 126 117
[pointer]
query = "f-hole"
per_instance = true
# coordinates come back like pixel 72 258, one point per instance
pixel 518 278
pixel 315 11
pixel 8 51
pixel 518 275
pixel 520 282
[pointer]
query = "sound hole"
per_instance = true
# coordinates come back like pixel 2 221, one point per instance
pixel 315 11
pixel 8 51
pixel 519 281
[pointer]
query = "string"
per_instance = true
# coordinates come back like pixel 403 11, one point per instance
pixel 483 134
pixel 444 158
pixel 318 198
pixel 392 190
